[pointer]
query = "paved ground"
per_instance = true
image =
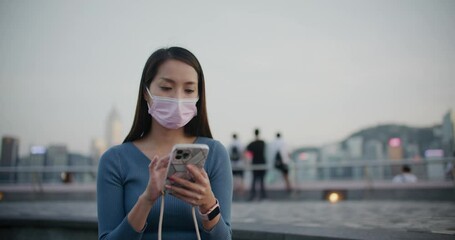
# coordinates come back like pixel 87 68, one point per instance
pixel 415 216
pixel 438 217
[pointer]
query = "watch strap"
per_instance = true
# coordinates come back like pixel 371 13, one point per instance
pixel 211 213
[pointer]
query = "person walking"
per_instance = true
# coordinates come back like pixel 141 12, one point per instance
pixel 281 159
pixel 257 150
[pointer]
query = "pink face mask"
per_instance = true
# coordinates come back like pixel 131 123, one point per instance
pixel 172 113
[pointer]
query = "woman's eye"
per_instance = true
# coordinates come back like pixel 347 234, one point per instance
pixel 189 90
pixel 165 88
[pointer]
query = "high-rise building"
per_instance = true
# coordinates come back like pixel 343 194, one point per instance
pixel 97 148
pixel 355 147
pixel 23 177
pixel 56 156
pixel 395 152
pixel 79 160
pixel 395 149
pixel 374 150
pixel 37 159
pixel 448 134
pixel 305 159
pixel 10 157
pixel 114 131
pixel 333 153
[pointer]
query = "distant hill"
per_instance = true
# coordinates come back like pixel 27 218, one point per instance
pixel 424 137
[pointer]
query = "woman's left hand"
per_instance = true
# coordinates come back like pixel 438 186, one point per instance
pixel 198 193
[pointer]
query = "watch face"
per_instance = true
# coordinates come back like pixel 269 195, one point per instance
pixel 214 213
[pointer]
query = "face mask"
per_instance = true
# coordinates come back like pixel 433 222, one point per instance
pixel 172 113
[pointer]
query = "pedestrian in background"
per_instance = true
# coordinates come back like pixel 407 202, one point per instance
pixel 281 159
pixel 236 152
pixel 257 150
pixel 450 169
pixel 405 176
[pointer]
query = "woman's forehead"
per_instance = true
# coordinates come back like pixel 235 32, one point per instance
pixel 177 71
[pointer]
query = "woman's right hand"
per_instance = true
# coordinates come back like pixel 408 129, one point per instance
pixel 157 178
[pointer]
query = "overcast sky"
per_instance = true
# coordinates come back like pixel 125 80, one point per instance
pixel 315 70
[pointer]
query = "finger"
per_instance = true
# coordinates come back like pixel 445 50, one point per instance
pixel 204 173
pixel 189 200
pixel 183 191
pixel 183 182
pixel 200 178
pixel 196 173
pixel 184 198
pixel 184 194
pixel 193 187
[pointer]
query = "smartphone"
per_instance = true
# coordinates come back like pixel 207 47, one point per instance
pixel 183 154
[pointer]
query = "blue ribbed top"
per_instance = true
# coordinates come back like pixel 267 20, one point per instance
pixel 122 178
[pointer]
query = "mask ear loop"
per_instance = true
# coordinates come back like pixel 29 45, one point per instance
pixel 150 94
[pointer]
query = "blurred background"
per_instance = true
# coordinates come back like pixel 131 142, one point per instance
pixel 356 88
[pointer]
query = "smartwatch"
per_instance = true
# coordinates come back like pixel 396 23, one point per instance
pixel 211 213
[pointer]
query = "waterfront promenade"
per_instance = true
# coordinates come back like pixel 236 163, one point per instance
pixel 343 220
pixel 410 216
pixel 369 211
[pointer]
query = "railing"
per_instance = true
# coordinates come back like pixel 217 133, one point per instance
pixel 426 170
pixel 348 171
pixel 47 174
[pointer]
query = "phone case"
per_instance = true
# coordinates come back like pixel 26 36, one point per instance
pixel 183 154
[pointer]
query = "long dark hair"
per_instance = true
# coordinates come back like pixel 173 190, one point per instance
pixel 199 125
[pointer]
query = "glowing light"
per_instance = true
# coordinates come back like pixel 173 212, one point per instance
pixel 334 197
pixel 395 142
pixel 249 155
pixel 434 153
pixel 1 196
pixel 37 150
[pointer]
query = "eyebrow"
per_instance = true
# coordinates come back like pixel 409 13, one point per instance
pixel 173 81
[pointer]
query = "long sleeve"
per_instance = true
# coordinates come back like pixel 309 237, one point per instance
pixel 220 175
pixel 123 176
pixel 112 220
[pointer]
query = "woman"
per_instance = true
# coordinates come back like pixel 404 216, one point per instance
pixel 171 109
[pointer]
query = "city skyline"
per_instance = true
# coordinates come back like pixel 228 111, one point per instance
pixel 385 144
pixel 113 128
pixel 316 71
